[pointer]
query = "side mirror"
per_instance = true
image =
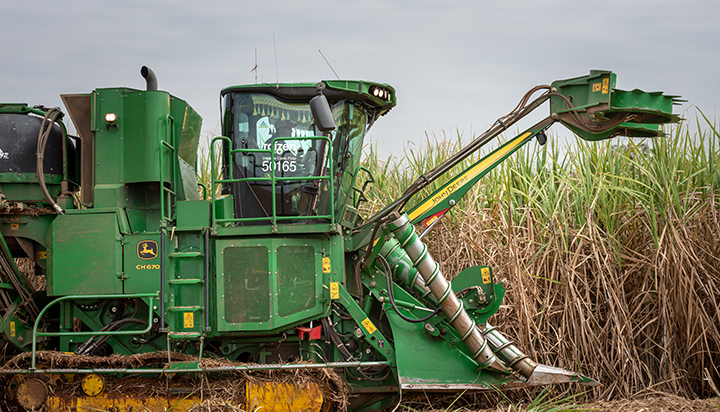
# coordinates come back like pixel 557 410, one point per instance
pixel 322 114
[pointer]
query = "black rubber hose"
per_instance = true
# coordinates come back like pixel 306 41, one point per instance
pixel 347 356
pixel 45 129
pixel 388 275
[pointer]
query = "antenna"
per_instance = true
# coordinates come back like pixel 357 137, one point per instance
pixel 255 69
pixel 277 77
pixel 328 63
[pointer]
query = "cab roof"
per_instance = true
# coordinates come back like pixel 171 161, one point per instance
pixel 378 96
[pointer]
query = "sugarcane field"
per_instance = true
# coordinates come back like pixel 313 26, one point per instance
pixel 560 263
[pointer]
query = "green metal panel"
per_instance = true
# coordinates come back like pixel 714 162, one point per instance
pixel 193 214
pixel 109 146
pixel 26 226
pixel 297 279
pixel 597 106
pixel 485 297
pixel 584 91
pixel 30 233
pixel 224 207
pixel 144 136
pixel 246 282
pixel 128 150
pixel 654 107
pixel 188 126
pixel 265 284
pixel 189 181
pixel 141 259
pixel 108 195
pixel 442 362
pixel 141 122
pixel 84 255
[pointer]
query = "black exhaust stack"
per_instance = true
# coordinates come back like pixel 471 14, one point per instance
pixel 150 78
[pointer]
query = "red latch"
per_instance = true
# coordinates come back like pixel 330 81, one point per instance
pixel 315 333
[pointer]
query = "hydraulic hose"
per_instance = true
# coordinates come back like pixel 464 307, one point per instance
pixel 331 333
pixel 388 275
pixel 523 108
pixel 49 120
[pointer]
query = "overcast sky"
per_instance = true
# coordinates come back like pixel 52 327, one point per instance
pixel 454 64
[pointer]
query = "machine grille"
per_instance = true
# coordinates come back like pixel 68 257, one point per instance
pixel 296 279
pixel 247 284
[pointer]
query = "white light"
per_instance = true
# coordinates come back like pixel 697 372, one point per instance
pixel 110 117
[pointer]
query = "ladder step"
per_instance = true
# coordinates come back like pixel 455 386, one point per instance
pixel 185 308
pixel 185 281
pixel 184 335
pixel 185 255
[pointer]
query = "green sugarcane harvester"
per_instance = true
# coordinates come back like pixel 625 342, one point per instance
pixel 275 270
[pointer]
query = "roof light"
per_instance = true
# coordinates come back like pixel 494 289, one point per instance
pixel 380 92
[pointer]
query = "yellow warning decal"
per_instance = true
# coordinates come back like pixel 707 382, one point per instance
pixel 334 290
pixel 188 320
pixel 596 87
pixel 326 264
pixel 14 226
pixel 369 326
pixel 606 86
pixel 42 254
pixel 12 329
pixel 485 275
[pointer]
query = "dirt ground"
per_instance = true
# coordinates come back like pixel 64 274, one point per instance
pixel 653 403
pixel 667 403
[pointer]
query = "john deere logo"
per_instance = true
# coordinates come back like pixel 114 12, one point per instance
pixel 147 249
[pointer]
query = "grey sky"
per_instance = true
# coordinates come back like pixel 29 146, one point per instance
pixel 454 64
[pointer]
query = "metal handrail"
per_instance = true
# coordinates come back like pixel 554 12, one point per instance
pixel 36 334
pixel 199 368
pixel 163 190
pixel 361 197
pixel 274 218
pixel 204 188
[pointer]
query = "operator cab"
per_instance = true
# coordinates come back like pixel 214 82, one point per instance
pixel 284 166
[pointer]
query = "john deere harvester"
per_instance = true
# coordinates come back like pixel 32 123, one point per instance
pixel 125 285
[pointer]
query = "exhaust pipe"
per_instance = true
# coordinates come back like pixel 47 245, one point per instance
pixel 150 78
pixel 442 291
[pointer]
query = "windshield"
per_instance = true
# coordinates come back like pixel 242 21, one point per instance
pixel 263 122
pixel 260 118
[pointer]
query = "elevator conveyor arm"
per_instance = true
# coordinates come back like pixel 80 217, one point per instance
pixel 589 105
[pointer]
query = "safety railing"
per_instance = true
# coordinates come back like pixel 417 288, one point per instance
pixel 272 179
pixel 167 194
pixel 150 296
pixel 359 193
pixel 189 367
